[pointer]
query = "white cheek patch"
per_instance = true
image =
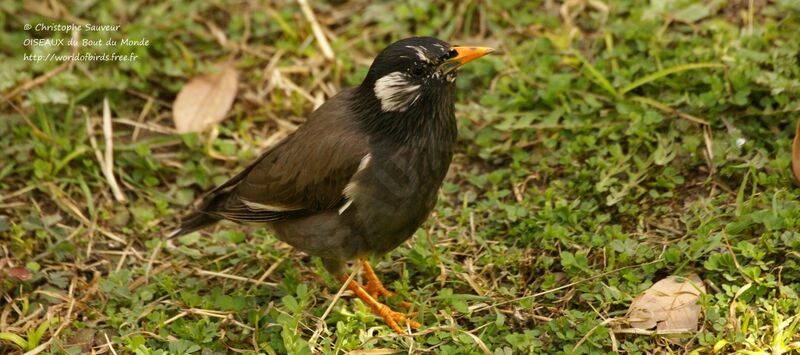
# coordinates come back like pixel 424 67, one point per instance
pixel 396 92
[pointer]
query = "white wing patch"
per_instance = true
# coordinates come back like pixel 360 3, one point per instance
pixel 266 207
pixel 351 189
pixel 396 92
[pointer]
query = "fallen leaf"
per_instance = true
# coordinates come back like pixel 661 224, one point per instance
pixel 205 100
pixel 668 305
pixel 796 153
pixel 19 273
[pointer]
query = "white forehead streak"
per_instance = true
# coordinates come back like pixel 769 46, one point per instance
pixel 420 53
pixel 395 92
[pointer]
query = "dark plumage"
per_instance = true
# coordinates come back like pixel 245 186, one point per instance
pixel 362 174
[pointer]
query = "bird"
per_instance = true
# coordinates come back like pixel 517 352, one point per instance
pixel 361 174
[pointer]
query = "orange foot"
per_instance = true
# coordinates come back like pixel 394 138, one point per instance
pixel 392 318
pixel 375 287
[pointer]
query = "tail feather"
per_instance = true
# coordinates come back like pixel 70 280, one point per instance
pixel 195 221
pixel 203 217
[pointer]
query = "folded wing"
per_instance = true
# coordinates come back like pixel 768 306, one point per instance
pixel 304 174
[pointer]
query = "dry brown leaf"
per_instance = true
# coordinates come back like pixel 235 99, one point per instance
pixel 796 153
pixel 205 100
pixel 19 273
pixel 668 305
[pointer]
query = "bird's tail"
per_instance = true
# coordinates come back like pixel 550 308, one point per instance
pixel 203 216
pixel 195 221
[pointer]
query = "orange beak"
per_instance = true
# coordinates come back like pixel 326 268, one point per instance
pixel 464 56
pixel 468 54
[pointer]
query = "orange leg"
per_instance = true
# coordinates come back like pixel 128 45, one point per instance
pixel 375 286
pixel 391 317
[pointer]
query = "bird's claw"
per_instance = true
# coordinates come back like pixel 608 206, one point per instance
pixel 368 294
pixel 393 319
pixel 375 287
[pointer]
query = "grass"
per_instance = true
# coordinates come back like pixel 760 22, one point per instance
pixel 596 156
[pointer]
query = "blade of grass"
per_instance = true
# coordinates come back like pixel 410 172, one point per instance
pixel 71 156
pixel 16 339
pixel 598 77
pixel 664 72
pixel 285 26
pixel 667 109
pixel 35 335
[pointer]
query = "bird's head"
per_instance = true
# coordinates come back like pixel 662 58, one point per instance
pixel 415 70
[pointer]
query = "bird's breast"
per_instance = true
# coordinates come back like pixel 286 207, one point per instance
pixel 392 196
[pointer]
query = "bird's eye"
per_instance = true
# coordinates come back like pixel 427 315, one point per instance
pixel 417 71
